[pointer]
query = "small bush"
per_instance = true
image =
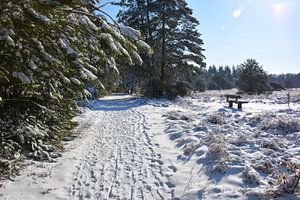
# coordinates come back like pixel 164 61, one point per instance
pixel 289 183
pixel 250 175
pixel 267 166
pixel 254 121
pixel 152 88
pixel 189 149
pixel 217 118
pixel 176 115
pixel 172 115
pixel 271 144
pixel 217 152
pixel 215 148
pixel 282 125
pixel 178 89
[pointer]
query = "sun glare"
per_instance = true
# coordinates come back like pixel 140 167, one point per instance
pixel 237 13
pixel 280 11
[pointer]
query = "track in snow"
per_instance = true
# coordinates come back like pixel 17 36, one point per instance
pixel 120 163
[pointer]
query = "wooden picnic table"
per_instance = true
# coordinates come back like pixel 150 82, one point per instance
pixel 232 98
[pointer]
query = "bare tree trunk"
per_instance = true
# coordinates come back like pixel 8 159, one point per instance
pixel 140 6
pixel 163 47
pixel 149 34
pixel 149 38
pixel 1 145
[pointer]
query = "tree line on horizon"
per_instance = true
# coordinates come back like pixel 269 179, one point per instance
pixel 288 80
pixel 226 77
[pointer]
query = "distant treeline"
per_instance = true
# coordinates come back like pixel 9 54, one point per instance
pixel 226 77
pixel 222 77
pixel 286 80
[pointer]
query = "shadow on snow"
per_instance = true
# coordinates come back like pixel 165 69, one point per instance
pixel 116 104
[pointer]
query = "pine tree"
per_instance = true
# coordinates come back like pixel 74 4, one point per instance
pixel 137 14
pixel 221 78
pixel 252 78
pixel 50 50
pixel 210 74
pixel 171 30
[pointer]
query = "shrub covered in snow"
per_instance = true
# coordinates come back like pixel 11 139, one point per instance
pixel 251 175
pixel 254 121
pixel 190 149
pixel 217 118
pixel 173 115
pixel 177 115
pixel 290 183
pixel 270 144
pixel 281 125
pixel 241 139
pixel 266 166
pixel 217 152
pixel 289 180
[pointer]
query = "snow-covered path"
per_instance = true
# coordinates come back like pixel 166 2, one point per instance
pixel 190 148
pixel 120 163
pixel 114 158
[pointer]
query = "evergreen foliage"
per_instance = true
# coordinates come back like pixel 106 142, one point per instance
pixel 252 78
pixel 49 51
pixel 286 80
pixel 221 78
pixel 176 66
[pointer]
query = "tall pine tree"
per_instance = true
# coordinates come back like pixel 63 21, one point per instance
pixel 171 30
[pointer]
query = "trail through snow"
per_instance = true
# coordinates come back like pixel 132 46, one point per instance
pixel 121 162
pixel 191 148
pixel 114 158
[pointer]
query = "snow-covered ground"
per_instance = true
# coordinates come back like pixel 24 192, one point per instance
pixel 191 148
pixel 253 153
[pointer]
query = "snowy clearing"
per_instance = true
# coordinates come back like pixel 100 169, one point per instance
pixel 191 148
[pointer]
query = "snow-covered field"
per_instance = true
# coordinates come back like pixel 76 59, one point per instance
pixel 253 153
pixel 190 148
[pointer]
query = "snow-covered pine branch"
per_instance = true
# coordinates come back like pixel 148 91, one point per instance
pixel 51 50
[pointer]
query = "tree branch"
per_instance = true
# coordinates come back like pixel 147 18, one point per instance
pixel 83 13
pixel 98 8
pixel 94 16
pixel 105 4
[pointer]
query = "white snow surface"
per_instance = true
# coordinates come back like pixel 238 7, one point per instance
pixel 190 148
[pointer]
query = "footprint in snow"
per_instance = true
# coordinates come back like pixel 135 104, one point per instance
pixel 170 185
pixel 173 168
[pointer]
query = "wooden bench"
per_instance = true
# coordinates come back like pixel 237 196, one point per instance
pixel 230 98
pixel 231 103
pixel 240 103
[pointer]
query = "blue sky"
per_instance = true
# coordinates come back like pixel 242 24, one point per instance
pixel 234 30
